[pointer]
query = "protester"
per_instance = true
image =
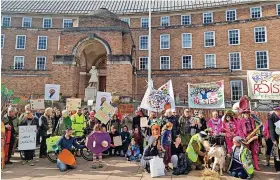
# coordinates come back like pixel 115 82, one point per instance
pixel 176 150
pixel 138 138
pixel 150 151
pixel 125 140
pixel 114 148
pixel 97 129
pixel 230 130
pixel 133 151
pixel 136 119
pixel 78 123
pixel 114 122
pixel 268 142
pixel 202 121
pixel 175 122
pixel 215 124
pixel 86 113
pixel 63 123
pixel 166 139
pixel 185 128
pixel 92 121
pixel 45 124
pixel 55 118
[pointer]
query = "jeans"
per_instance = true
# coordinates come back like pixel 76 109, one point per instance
pixel 239 174
pixel 174 160
pixel 63 167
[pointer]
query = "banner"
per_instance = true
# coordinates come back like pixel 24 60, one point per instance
pixel 102 97
pixel 158 100
pixel 73 103
pixel 264 85
pixel 52 92
pixel 105 112
pixel 206 95
pixel 37 104
pixel 126 109
pixel 27 137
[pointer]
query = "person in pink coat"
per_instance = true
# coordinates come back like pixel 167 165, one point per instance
pixel 215 123
pixel 230 130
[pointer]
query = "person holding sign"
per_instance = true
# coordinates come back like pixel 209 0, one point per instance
pixel 114 145
pixel 45 123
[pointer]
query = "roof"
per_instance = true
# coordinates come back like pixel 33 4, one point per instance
pixel 115 6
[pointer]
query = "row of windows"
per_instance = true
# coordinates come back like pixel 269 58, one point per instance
pixel 42 42
pixel 230 15
pixel 40 63
pixel 260 36
pixel 27 22
pixel 262 61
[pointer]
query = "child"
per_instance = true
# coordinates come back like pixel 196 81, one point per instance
pixel 97 129
pixel 166 143
pixel 133 152
pixel 125 140
pixel 230 129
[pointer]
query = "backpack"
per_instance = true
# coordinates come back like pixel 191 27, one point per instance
pixel 184 165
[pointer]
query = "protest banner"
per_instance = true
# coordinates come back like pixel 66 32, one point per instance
pixel 27 138
pixel 73 103
pixel 264 85
pixel 101 97
pixel 126 108
pixel 52 92
pixel 206 95
pixel 37 104
pixel 105 113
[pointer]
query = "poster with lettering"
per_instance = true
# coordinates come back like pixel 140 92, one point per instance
pixel 126 108
pixel 52 92
pixel 264 85
pixel 73 103
pixel 37 104
pixel 206 95
pixel 105 112
pixel 27 138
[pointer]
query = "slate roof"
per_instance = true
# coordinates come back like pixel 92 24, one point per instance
pixel 115 6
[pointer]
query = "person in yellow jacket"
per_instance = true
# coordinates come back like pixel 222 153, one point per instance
pixel 78 123
pixel 196 151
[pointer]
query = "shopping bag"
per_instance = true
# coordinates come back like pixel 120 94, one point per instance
pixel 157 167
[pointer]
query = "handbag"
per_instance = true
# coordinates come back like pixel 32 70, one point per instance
pixel 157 167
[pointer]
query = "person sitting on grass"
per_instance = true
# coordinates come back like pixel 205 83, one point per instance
pixel 133 151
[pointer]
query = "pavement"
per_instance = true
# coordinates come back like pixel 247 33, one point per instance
pixel 115 168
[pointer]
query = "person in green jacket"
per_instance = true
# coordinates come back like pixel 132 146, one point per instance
pixel 63 123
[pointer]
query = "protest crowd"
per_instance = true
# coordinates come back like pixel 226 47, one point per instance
pixel 182 142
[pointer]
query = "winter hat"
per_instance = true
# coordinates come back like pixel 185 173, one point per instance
pixel 203 134
pixel 237 139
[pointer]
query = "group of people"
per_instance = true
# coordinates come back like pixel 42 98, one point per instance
pixel 179 140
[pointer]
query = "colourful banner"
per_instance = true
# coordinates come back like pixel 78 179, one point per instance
pixel 105 112
pixel 206 95
pixel 264 85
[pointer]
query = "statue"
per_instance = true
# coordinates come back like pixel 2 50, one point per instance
pixel 93 82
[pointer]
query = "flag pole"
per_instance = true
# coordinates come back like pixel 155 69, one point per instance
pixel 150 85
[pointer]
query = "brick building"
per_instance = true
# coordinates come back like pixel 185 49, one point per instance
pixel 192 42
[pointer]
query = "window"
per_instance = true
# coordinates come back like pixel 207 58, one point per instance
pixel 236 88
pixel 126 20
pixel 262 60
pixel 260 34
pixel 26 22
pixel 278 9
pixel 19 62
pixel 20 41
pixel 42 43
pixel 144 22
pixel 164 62
pixel 256 12
pixel 187 62
pixel 164 21
pixel 209 39
pixel 186 40
pixel 40 63
pixel 67 23
pixel 47 23
pixel 235 61
pixel 143 63
pixel 143 42
pixel 185 20
pixel 231 15
pixel 207 18
pixel 6 21
pixel 2 40
pixel 233 37
pixel 164 41
pixel 210 60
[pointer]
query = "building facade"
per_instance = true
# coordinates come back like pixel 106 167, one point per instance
pixel 191 43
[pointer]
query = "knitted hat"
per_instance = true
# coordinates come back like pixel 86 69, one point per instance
pixel 237 139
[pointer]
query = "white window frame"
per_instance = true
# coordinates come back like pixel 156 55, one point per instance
pixel 215 61
pixel 126 18
pixel 51 23
pixel 38 43
pixel 17 41
pixel 257 59
pixel 183 41
pixel 142 22
pixel 265 34
pixel 256 7
pixel 231 84
pixel 15 62
pixel 67 20
pixel 191 62
pixel 235 15
pixel 140 62
pixel 212 18
pixel 3 40
pixel 240 61
pixel 169 62
pixel 214 37
pixel 37 63
pixel 10 21
pixel 238 30
pixel 22 25
pixel 278 9
pixel 161 21
pixel 189 17
pixel 140 42
pixel 168 40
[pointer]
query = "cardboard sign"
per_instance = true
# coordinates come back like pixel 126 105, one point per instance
pixel 102 97
pixel 37 104
pixel 52 92
pixel 117 140
pixel 27 138
pixel 144 122
pixel 73 103
pixel 126 108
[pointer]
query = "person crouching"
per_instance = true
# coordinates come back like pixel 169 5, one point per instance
pixel 133 151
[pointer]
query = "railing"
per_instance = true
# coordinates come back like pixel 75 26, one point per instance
pixel 14 68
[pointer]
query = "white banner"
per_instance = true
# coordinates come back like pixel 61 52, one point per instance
pixel 37 104
pixel 52 92
pixel 27 138
pixel 264 85
pixel 100 98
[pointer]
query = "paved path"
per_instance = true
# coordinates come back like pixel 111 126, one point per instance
pixel 115 168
